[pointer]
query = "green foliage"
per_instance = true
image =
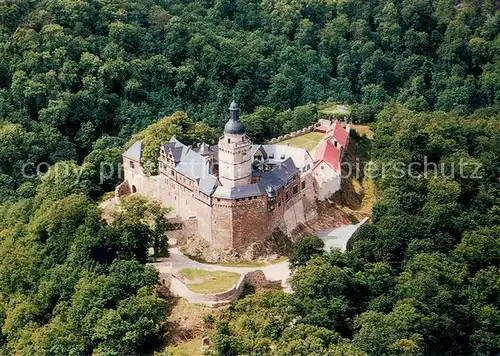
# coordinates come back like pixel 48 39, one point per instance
pixel 70 284
pixel 178 125
pixel 421 278
pixel 78 79
pixel 71 73
pixel 304 249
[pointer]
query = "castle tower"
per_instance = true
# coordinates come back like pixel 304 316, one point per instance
pixel 235 167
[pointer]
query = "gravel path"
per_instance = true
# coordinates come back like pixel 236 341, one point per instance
pixel 333 238
pixel 273 272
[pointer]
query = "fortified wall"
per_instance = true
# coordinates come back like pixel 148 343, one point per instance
pixel 233 195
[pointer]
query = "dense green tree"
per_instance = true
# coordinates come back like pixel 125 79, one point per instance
pixel 80 78
pixel 422 277
pixel 304 249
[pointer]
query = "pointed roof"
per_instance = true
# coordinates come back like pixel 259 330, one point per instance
pixel 134 152
pixel 205 150
pixel 234 126
pixel 191 163
pixel 338 132
pixel 328 153
pixel 272 180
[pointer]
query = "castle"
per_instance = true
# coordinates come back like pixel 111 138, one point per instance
pixel 238 193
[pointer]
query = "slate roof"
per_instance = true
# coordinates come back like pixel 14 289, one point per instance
pixel 205 150
pixel 234 126
pixel 207 184
pixel 279 176
pixel 275 179
pixel 300 156
pixel 191 163
pixel 134 152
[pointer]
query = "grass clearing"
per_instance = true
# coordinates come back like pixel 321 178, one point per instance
pixel 208 282
pixel 308 141
pixel 188 348
pixel 363 130
pixel 337 109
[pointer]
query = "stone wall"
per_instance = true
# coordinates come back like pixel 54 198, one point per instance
pixel 180 193
pixel 258 279
pixel 250 222
pixel 297 133
pixel 327 181
pixel 189 230
pixel 222 222
pixel 141 183
pixel 122 189
pixel 238 224
pixel 179 289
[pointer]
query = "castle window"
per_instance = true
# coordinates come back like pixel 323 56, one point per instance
pixel 228 140
pixel 279 203
pixel 172 172
pixel 295 189
pixel 287 196
pixel 282 156
pixel 131 164
pixel 304 184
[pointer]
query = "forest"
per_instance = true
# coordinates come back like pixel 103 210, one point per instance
pixel 81 79
pixel 422 279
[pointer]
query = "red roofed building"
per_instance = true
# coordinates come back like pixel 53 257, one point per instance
pixel 337 134
pixel 328 160
pixel 328 153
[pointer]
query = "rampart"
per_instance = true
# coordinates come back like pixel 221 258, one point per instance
pixel 297 133
pixel 179 289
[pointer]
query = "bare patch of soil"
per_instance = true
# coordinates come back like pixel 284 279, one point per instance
pixel 189 322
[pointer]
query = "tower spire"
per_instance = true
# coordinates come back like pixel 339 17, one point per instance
pixel 235 111
pixel 234 126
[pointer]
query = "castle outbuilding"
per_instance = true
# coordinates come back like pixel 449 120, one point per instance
pixel 235 193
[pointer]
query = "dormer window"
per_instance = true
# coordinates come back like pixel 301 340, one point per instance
pixel 271 155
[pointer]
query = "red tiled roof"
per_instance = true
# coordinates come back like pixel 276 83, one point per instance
pixel 337 131
pixel 329 154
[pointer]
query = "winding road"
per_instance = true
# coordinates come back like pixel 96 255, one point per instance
pixel 333 238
